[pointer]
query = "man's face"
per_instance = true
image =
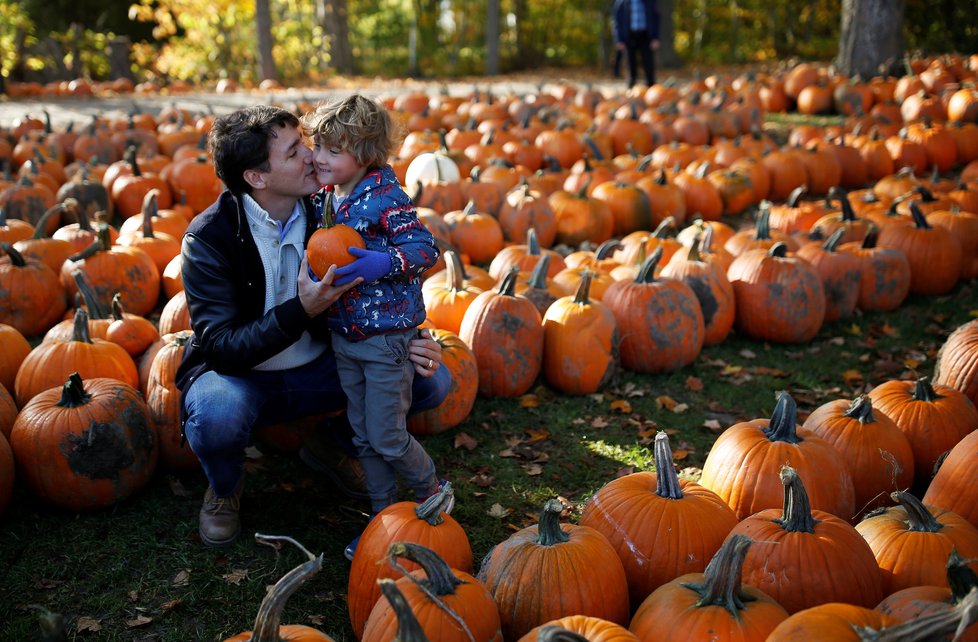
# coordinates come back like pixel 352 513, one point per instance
pixel 290 169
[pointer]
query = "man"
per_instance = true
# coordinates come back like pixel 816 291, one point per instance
pixel 636 27
pixel 260 351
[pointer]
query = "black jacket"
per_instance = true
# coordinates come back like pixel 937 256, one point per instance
pixel 224 280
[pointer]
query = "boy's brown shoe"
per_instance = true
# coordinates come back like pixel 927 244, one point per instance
pixel 220 518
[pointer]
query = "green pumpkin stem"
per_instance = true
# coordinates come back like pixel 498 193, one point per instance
pixel 549 531
pixel 667 481
pixel 532 241
pixel 762 226
pixel 919 219
pixel 329 209
pixel 16 258
pixel 150 210
pixel 947 624
pixel 796 516
pixel 861 409
pixel 118 312
pixel 439 578
pixel 73 393
pixel 795 196
pixel 79 329
pixel 430 510
pixel 507 287
pixel 604 250
pixel 784 420
pixel 408 627
pixel 665 228
pixel 722 586
pixel 40 228
pixel 96 310
pixel 924 391
pixel 581 297
pixel 554 633
pixel 831 244
pixel 538 277
pixel 455 274
pixel 646 273
pixel 778 250
pixel 960 576
pixel 270 612
pixel 919 519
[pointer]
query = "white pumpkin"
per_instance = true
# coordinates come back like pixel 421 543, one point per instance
pixel 432 167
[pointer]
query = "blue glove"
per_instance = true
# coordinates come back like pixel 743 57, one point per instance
pixel 371 265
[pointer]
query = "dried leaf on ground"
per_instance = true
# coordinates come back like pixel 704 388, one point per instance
pixel 90 624
pixel 855 330
pixel 622 406
pixel 852 378
pixel 747 354
pixel 713 425
pixel 182 578
pixel 176 487
pixel 529 401
pixel 679 408
pixel 139 620
pixel 621 472
pixel 599 422
pixel 694 384
pixel 253 453
pixel 45 583
pixel 679 454
pixel 236 576
pixel 466 441
pixel 318 620
pixel 132 596
pixel 169 605
pixel 481 480
pixel 537 434
pixel 497 511
pixel 664 401
pixel 533 469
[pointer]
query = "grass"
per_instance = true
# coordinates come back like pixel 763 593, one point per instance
pixel 138 571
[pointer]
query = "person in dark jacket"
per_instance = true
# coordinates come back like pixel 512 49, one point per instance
pixel 260 351
pixel 636 28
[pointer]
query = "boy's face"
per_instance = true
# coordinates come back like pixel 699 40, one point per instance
pixel 335 166
pixel 291 172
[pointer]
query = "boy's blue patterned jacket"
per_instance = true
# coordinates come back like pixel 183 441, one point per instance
pixel 386 219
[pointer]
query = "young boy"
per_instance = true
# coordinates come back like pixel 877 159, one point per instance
pixel 372 323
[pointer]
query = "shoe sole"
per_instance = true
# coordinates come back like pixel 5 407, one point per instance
pixel 315 464
pixel 218 544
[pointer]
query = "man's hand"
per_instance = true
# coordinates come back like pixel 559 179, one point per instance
pixel 369 266
pixel 315 296
pixel 424 351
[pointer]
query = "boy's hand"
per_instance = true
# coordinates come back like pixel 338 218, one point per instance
pixel 370 266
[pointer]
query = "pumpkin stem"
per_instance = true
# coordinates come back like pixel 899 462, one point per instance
pixel 549 531
pixel 40 229
pixel 939 626
pixel 779 250
pixel 872 235
pixel 96 310
pixel 79 331
pixel 456 274
pixel 831 244
pixel 667 481
pixel 919 519
pixel 101 243
pixel 784 420
pixel 73 393
pixel 796 516
pixel 664 228
pixel 16 258
pixel 439 578
pixel 532 241
pixel 762 226
pixel 329 208
pixel 960 576
pixel 408 627
pixel 604 250
pixel 924 391
pixel 919 220
pixel 722 586
pixel 795 196
pixel 646 273
pixel 430 510
pixel 507 287
pixel 554 633
pixel 118 312
pixel 693 254
pixel 583 288
pixel 861 409
pixel 150 209
pixel 270 611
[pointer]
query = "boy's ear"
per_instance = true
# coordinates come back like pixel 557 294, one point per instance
pixel 255 178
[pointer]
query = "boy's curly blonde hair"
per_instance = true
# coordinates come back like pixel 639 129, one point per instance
pixel 356 124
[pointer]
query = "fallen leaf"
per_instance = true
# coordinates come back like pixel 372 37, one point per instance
pixel 713 425
pixel 666 402
pixel 747 354
pixel 731 370
pixel 44 583
pixel 621 406
pixel 855 330
pixel 837 341
pixel 170 605
pixel 538 434
pixel 481 480
pixel 770 372
pixel 497 511
pixel 680 408
pixel 466 441
pixel 236 576
pixel 694 384
pixel 534 469
pixel 597 397
pixel 132 596
pixel 176 487
pixel 86 623
pixel 182 578
pixel 318 620
pixel 253 453
pixel 852 378
pixel 599 422
pixel 139 620
pixel 529 401
pixel 680 454
pixel 621 472
pixel 646 436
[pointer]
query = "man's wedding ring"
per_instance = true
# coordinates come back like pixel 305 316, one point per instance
pixel 430 364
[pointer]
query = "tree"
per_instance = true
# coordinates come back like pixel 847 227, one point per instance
pixel 871 36
pixel 332 16
pixel 492 37
pixel 666 56
pixel 263 25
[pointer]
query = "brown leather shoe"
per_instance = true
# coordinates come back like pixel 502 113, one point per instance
pixel 323 455
pixel 220 519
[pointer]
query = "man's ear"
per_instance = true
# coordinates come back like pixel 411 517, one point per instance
pixel 255 178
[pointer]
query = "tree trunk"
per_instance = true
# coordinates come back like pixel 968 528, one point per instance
pixel 734 30
pixel 334 20
pixel 425 32
pixel 526 50
pixel 666 57
pixel 870 36
pixel 120 66
pixel 263 24
pixel 492 37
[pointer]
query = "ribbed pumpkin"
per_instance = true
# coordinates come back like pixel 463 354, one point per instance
pixel 629 205
pixel 712 605
pixel 49 364
pixel 916 602
pixel 581 218
pixel 957 361
pixel 477 234
pixel 427 525
pixel 803 557
pixel 14 348
pixel 505 333
pixel 779 298
pixel 460 361
pixel 526 256
pixel 662 527
pixel 331 242
pixel 538 287
pixel 840 273
pixel 50 251
pixel 445 304
pixel 953 485
pixel 934 418
pixel 912 541
pixel 6 469
pixel 579 628
pixel 267 627
pixel 175 315
pixel 525 209
pixel 659 320
pixel 8 411
pixel 743 466
pixel 877 454
pixel 450 605
pixel 85 445
pixel 580 343
pixel 163 400
pixel 884 280
pixel 131 331
pixel 933 253
pixel 32 296
pixel 707 278
pixel 963 226
pixel 548 571
pixel 160 246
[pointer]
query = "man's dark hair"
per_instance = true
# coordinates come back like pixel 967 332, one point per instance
pixel 239 142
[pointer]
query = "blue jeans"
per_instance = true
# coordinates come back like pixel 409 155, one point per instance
pixel 223 410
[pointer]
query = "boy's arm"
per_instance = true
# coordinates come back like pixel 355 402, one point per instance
pixel 411 245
